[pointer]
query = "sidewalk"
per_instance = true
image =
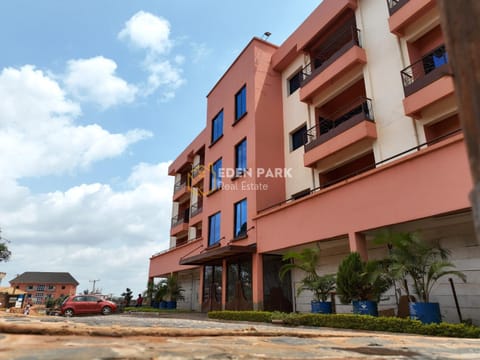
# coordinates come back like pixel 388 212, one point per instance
pixel 195 337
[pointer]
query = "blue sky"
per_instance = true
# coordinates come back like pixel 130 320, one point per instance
pixel 96 97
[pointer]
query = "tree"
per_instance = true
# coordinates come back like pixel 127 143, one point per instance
pixel 127 295
pixel 424 263
pixel 4 252
pixel 307 260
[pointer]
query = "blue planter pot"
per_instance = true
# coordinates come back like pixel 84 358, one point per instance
pixel 425 312
pixel 322 307
pixel 171 304
pixel 365 307
pixel 163 305
pixel 155 304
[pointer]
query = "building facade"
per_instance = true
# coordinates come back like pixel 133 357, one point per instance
pixel 347 128
pixel 39 286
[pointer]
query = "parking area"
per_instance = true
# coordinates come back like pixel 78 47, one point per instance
pixel 124 336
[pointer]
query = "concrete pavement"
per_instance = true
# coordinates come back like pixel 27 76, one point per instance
pixel 156 337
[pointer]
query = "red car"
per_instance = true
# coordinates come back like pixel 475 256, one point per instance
pixel 87 304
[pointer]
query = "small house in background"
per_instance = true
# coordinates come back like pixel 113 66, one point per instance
pixel 39 286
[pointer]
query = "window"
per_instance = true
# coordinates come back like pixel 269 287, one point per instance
pixel 241 157
pixel 298 137
pixel 215 175
pixel 294 82
pixel 240 228
pixel 29 287
pixel 241 103
pixel 51 287
pixel 217 127
pixel 214 229
pixel 41 287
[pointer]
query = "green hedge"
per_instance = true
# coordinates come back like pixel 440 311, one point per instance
pixel 357 322
pixel 256 316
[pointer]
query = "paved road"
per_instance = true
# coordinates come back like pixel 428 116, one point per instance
pixel 135 337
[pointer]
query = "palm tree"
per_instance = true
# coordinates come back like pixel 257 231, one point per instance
pixel 306 260
pixel 423 262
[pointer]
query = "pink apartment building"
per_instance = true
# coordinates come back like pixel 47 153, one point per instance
pixel 348 127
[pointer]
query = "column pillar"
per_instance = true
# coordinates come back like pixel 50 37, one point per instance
pixel 257 281
pixel 358 244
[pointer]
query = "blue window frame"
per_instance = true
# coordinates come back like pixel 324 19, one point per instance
pixel 240 227
pixel 214 229
pixel 241 157
pixel 217 126
pixel 215 175
pixel 241 103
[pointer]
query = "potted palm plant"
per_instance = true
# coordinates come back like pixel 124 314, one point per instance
pixel 174 291
pixel 424 264
pixel 319 285
pixel 159 291
pixel 362 283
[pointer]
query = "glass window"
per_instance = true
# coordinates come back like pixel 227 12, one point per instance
pixel 240 218
pixel 217 127
pixel 215 175
pixel 241 103
pixel 241 157
pixel 239 279
pixel 214 229
pixel 298 137
pixel 294 82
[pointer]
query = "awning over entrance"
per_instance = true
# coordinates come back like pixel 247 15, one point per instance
pixel 218 253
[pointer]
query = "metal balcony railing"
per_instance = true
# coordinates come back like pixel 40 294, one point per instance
pixel 181 218
pixel 395 5
pixel 331 50
pixel 180 184
pixel 426 70
pixel 326 128
pixel 198 170
pixel 196 208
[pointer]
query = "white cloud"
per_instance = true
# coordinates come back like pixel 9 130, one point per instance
pixel 147 31
pixel 92 230
pixel 200 51
pixel 38 135
pixel 152 33
pixel 94 80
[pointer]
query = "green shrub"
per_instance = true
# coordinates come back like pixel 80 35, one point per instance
pixel 256 316
pixel 355 322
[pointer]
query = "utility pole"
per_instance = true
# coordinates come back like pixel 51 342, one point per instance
pixel 94 282
pixel 461 25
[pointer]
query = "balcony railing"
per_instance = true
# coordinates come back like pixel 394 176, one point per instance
pixel 395 5
pixel 181 218
pixel 198 170
pixel 326 128
pixel 332 49
pixel 180 184
pixel 429 68
pixel 196 208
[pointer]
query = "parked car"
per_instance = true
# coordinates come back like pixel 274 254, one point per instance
pixel 87 304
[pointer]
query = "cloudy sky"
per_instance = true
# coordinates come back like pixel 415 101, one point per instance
pixel 96 98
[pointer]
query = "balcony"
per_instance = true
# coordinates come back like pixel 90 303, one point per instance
pixel 344 130
pixel 196 209
pixel 404 13
pixel 197 174
pixel 427 81
pixel 395 5
pixel 340 54
pixel 180 223
pixel 180 190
